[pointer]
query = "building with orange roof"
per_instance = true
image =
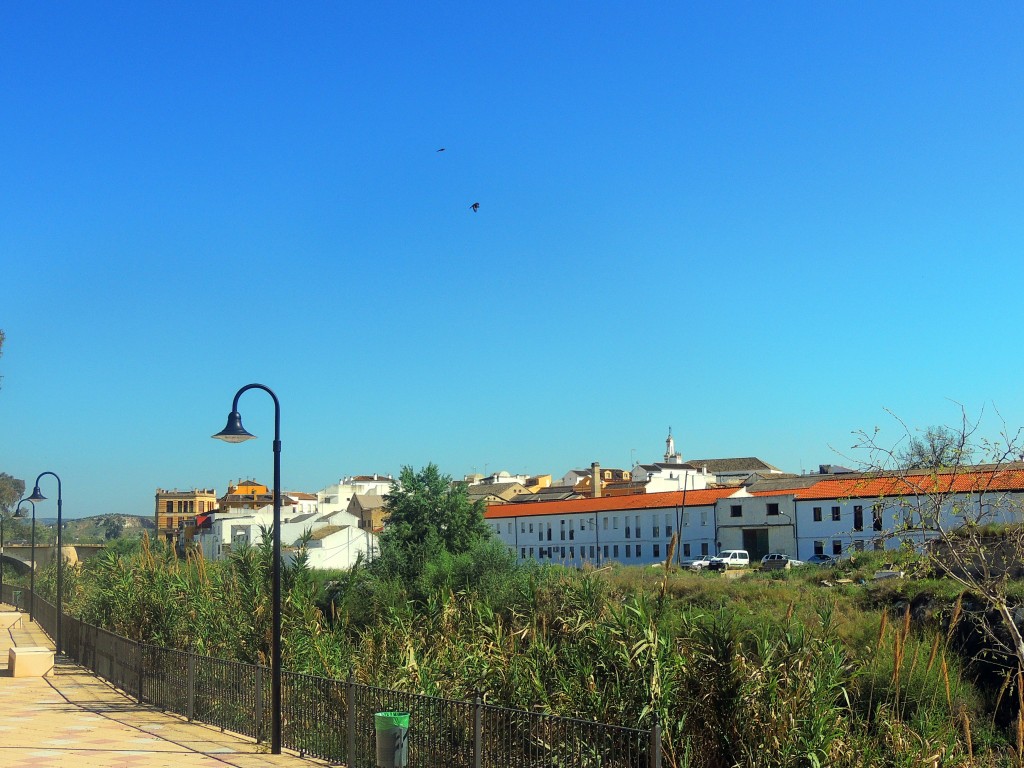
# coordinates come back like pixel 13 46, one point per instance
pixel 798 516
pixel 633 530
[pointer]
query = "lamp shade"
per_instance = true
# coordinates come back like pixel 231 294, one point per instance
pixel 233 431
pixel 18 512
pixel 36 495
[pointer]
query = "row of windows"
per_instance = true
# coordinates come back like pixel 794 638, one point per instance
pixel 632 527
pixel 560 552
pixel 858 516
pixel 837 546
pixel 186 507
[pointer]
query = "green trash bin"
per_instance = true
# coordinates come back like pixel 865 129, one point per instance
pixel 392 739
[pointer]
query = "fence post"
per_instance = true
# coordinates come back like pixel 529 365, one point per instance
pixel 190 686
pixel 656 742
pixel 478 734
pixel 142 667
pixel 259 703
pixel 350 706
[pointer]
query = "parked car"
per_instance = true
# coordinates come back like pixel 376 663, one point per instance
pixel 776 560
pixel 730 558
pixel 700 563
pixel 825 561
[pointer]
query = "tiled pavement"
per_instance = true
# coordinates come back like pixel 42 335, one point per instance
pixel 73 719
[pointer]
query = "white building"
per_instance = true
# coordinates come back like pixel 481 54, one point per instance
pixel 633 530
pixel 336 536
pixel 335 498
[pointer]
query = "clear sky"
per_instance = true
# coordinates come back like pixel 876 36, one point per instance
pixel 762 224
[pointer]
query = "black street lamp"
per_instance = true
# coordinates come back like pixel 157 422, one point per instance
pixel 234 432
pixel 32 573
pixel 35 498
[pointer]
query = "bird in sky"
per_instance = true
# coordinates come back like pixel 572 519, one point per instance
pixel 441 149
pixel 475 207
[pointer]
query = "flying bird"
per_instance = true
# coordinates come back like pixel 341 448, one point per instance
pixel 475 207
pixel 441 149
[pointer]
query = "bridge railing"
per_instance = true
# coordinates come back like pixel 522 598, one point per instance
pixel 333 719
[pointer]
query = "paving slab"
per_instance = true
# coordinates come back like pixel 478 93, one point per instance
pixel 73 719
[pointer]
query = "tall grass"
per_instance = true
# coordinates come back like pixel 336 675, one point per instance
pixel 764 672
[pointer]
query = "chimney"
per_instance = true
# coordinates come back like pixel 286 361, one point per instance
pixel 595 479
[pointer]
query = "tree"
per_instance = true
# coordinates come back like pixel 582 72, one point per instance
pixel 935 448
pixel 427 515
pixel 967 520
pixel 11 492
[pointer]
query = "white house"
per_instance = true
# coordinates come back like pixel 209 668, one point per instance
pixel 337 497
pixel 633 530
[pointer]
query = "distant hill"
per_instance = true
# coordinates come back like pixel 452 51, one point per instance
pixel 102 528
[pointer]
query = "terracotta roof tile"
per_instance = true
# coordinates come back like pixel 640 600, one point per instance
pixel 874 486
pixel 701 498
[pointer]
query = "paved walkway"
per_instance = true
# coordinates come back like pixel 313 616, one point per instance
pixel 72 719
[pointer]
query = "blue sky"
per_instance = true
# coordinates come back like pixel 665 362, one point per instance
pixel 760 225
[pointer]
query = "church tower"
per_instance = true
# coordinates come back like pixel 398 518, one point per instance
pixel 671 457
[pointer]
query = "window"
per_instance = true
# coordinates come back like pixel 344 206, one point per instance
pixel 703 548
pixel 858 545
pixel 819 547
pixel 572 553
pixel 510 527
pixel 549 531
pixel 686 549
pixel 879 545
pixel 540 533
pixel 657 531
pixel 837 514
pixel 858 518
pixel 615 551
pixel 522 527
pixel 668 531
pixel 657 550
pixel 629 552
pixel 591 551
pixel 531 527
pixel 563 553
pixel 605 523
pixel 531 552
pixel 522 553
pixel 773 509
pixel 636 520
pixel 703 517
pixel 627 529
pixel 837 547
pixel 876 517
pixel 572 533
pixel 736 510
pixel 561 532
pixel 606 551
pixel 170 507
pixel 817 514
pixel 615 523
pixel 638 550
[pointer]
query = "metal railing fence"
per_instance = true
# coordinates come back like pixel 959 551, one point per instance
pixel 333 719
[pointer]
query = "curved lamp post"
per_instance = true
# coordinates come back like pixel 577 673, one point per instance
pixel 35 498
pixel 32 573
pixel 234 432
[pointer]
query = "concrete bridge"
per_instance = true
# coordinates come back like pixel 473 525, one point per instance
pixel 19 556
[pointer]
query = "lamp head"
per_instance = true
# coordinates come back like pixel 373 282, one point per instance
pixel 36 495
pixel 19 513
pixel 233 431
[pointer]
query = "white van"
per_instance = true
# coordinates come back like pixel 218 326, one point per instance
pixel 730 558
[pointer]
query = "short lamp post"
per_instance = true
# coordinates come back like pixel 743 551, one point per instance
pixel 35 498
pixel 32 572
pixel 234 432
